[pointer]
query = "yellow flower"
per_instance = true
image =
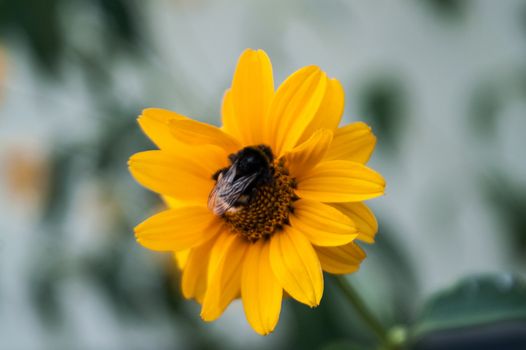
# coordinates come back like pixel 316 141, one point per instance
pixel 266 202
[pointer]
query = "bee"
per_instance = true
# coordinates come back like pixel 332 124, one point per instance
pixel 235 184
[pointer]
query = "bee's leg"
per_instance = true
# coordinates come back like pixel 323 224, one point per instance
pixel 242 200
pixel 233 157
pixel 217 173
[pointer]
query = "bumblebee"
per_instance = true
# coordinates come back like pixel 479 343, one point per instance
pixel 235 185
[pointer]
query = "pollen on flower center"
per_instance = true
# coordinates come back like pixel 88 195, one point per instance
pixel 267 209
pixel 255 195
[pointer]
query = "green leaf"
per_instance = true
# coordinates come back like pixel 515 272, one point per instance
pixel 474 301
pixel 344 345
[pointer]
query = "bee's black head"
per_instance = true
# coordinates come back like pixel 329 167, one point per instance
pixel 267 152
pixel 253 159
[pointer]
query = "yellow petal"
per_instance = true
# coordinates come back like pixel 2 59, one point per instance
pixel 181 258
pixel 155 123
pixel 250 96
pixel 341 260
pixel 196 133
pixel 296 266
pixel 308 154
pixel 260 290
pixel 330 111
pixel 363 218
pixel 177 229
pixel 354 142
pixel 225 285
pixel 194 279
pixel 340 181
pixel 172 202
pixel 293 108
pixel 322 224
pixel 224 240
pixel 228 116
pixel 185 176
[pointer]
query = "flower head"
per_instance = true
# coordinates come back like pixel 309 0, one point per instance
pixel 268 201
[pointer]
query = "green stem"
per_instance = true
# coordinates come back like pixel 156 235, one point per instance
pixel 366 315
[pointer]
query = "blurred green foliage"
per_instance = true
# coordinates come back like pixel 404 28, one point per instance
pixel 40 25
pixel 448 9
pixel 474 301
pixel 474 306
pixel 383 104
pixel 39 28
pixel 509 202
pixel 485 106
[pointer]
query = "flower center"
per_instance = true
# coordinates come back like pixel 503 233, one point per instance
pixel 264 197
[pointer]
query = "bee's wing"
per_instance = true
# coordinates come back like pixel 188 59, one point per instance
pixel 215 203
pixel 227 191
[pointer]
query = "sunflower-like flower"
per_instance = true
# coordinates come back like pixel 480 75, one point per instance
pixel 264 204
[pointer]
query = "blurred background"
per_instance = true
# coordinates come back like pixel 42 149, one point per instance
pixel 442 82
